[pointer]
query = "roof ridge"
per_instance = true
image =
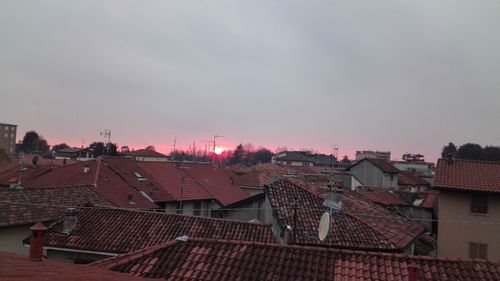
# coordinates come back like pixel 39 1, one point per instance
pixel 176 215
pixel 469 160
pixel 120 259
pixel 307 247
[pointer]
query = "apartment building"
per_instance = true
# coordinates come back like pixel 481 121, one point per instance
pixel 8 138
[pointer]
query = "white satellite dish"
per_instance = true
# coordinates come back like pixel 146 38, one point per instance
pixel 324 226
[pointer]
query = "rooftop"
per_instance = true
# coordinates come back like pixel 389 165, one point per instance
pixel 383 165
pixel 206 259
pixel 120 231
pixel 101 178
pixel 145 153
pixel 199 181
pixel 467 175
pixel 361 224
pixel 15 267
pixel 21 207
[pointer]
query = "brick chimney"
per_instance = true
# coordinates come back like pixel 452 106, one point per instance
pixel 36 245
pixel 413 272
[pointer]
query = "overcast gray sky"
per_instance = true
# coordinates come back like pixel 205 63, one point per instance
pixel 404 76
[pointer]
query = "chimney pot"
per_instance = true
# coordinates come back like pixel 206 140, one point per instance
pixel 36 245
pixel 69 220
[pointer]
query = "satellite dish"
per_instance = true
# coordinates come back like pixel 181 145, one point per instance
pixel 324 226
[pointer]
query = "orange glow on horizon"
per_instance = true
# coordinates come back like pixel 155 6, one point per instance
pixel 219 149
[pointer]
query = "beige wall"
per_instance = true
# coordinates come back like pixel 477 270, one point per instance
pixel 11 239
pixel 454 237
pixel 371 175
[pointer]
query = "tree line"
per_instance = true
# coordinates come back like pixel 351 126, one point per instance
pixel 471 151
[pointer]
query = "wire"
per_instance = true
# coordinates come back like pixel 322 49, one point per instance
pixel 394 217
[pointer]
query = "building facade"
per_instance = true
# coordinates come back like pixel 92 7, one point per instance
pixel 375 172
pixel 8 138
pixel 469 208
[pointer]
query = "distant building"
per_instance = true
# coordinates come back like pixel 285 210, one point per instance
pixel 375 172
pixel 424 170
pixel 306 158
pixel 75 153
pixel 147 155
pixel 469 208
pixel 382 155
pixel 8 138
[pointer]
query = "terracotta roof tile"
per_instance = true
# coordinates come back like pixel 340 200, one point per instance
pixel 20 207
pixel 120 231
pixel 385 197
pixel 101 178
pixel 206 259
pixel 128 169
pixel 360 225
pixel 467 175
pixel 199 181
pixel 15 267
pixel 406 178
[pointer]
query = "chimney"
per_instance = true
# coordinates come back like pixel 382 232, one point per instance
pixel 36 245
pixel 413 272
pixel 69 220
pixel 287 235
pixel 86 169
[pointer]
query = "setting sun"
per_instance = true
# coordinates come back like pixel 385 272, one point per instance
pixel 219 149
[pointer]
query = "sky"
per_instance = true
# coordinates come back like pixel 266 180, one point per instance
pixel 401 76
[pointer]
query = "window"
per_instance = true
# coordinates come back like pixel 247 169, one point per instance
pixel 479 204
pixel 478 250
pixel 197 209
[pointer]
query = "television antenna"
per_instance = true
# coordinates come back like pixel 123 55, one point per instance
pixel 175 143
pixel 106 134
pixel 215 138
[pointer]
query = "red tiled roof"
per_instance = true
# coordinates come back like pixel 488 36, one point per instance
pixel 408 178
pixel 14 267
pixel 360 225
pixel 216 182
pixel 120 231
pixel 101 179
pixel 9 173
pixel 384 197
pixel 198 181
pixel 127 167
pixel 392 197
pixel 27 206
pixel 383 165
pixel 145 153
pixel 467 175
pixel 204 259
